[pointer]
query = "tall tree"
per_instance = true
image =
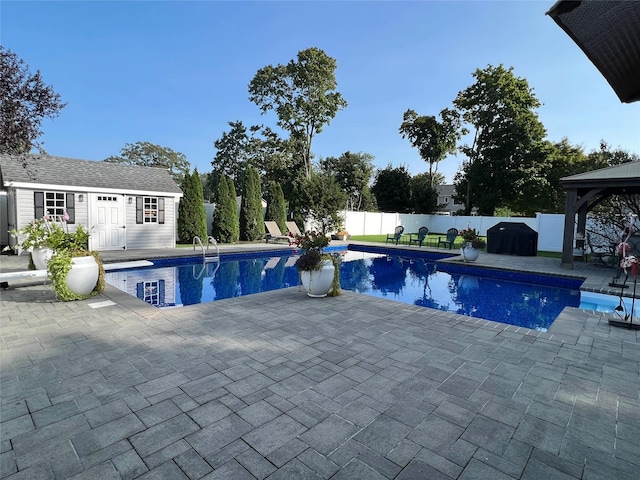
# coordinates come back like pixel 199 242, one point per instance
pixel 507 157
pixel 424 196
pixel 25 102
pixel 434 139
pixel 251 216
pixel 353 172
pixel 232 208
pixel 302 94
pixel 392 189
pixel 322 199
pixel 149 155
pixel 192 220
pixel 199 213
pixel 276 207
pixel 225 217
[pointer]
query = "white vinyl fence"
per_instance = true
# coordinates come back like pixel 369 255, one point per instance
pixel 550 227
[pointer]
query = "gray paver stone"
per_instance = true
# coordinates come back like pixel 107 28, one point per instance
pixel 329 434
pixel 210 439
pixel 256 464
pixel 192 464
pixel 165 454
pixel 272 435
pixel 488 434
pixel 383 434
pixel 129 465
pixel 166 471
pixel 477 470
pixel 436 434
pixel 418 470
pixel 230 470
pixel 163 434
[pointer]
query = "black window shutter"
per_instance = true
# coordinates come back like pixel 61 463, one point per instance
pixel 161 210
pixel 38 204
pixel 139 218
pixel 71 207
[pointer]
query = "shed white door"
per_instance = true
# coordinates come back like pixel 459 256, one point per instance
pixel 108 222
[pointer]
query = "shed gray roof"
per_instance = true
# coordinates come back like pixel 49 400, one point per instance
pixel 71 172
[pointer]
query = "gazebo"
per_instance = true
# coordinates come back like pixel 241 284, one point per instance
pixel 608 32
pixel 585 191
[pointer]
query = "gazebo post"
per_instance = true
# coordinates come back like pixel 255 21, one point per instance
pixel 569 219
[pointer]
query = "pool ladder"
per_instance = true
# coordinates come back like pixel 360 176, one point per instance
pixel 205 259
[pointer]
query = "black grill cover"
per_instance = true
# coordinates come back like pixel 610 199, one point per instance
pixel 513 238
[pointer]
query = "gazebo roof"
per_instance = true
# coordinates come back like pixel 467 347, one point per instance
pixel 608 32
pixel 626 174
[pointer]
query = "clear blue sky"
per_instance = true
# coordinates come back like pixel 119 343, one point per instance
pixel 174 73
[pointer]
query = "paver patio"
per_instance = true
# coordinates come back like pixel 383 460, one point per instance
pixel 281 386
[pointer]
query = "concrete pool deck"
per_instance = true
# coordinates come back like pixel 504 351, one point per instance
pixel 278 385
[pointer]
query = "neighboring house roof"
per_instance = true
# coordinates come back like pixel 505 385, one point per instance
pixel 39 170
pixel 445 190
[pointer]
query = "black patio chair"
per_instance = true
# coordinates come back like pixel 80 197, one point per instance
pixel 419 238
pixel 395 237
pixel 448 241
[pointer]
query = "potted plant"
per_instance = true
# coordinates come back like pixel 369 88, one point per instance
pixel 38 238
pixel 75 272
pixel 471 244
pixel 319 272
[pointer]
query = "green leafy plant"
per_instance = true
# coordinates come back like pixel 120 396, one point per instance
pixel 58 269
pixel 471 237
pixel 38 234
pixel 311 243
pixel 66 247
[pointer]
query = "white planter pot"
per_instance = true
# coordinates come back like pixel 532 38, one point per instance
pixel 469 254
pixel 317 283
pixel 83 276
pixel 41 257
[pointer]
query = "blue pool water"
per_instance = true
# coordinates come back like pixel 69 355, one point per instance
pixel 532 301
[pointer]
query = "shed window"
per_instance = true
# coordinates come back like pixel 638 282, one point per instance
pixel 54 204
pixel 150 210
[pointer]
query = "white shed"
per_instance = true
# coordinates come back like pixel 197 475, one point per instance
pixel 122 206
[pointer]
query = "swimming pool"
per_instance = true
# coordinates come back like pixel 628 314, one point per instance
pixel 531 301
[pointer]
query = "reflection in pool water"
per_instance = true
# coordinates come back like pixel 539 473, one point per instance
pixel 416 280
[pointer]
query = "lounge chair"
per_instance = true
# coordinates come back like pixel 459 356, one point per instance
pixel 293 228
pixel 395 236
pixel 419 238
pixel 274 233
pixel 448 241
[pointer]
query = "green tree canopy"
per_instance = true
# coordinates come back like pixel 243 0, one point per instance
pixel 353 172
pixel 433 139
pixel 225 226
pixel 251 216
pixel 392 189
pixel 302 94
pixel 192 220
pixel 232 208
pixel 149 155
pixel 321 200
pixel 276 207
pixel 507 158
pixel 25 102
pixel 424 196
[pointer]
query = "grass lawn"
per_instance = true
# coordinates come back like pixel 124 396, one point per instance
pixel 383 238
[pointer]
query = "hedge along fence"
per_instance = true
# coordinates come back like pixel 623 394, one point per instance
pixel 550 227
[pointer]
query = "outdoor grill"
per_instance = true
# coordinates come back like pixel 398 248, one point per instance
pixel 512 238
